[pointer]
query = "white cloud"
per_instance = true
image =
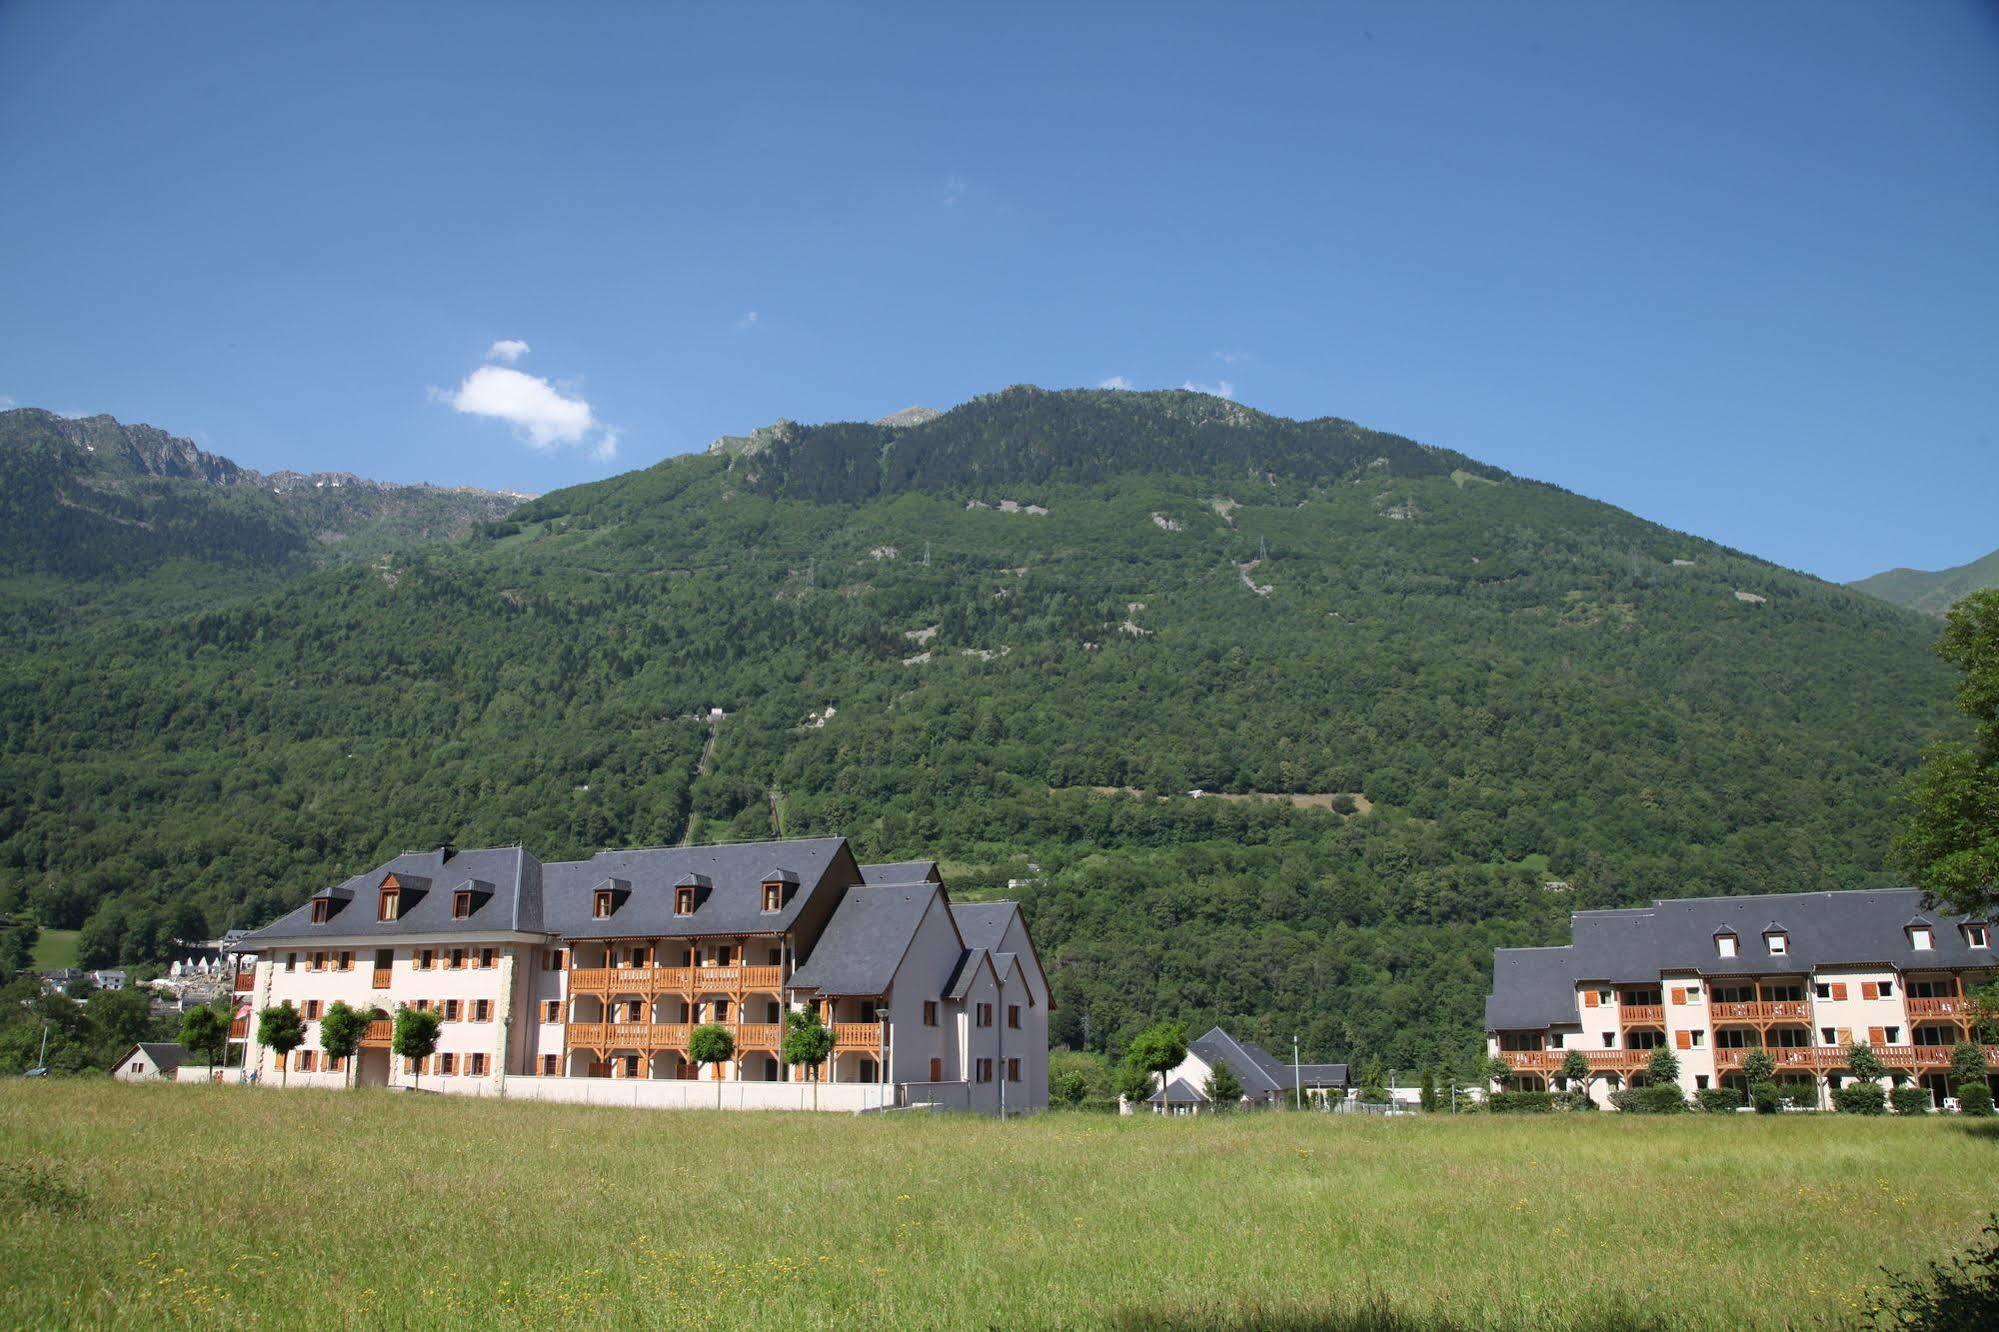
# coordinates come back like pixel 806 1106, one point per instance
pixel 1220 388
pixel 5 402
pixel 747 322
pixel 508 350
pixel 1233 357
pixel 607 445
pixel 542 416
pixel 1116 382
pixel 954 190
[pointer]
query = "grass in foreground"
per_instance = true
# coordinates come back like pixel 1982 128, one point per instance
pixel 144 1206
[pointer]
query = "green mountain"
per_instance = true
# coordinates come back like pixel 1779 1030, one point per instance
pixel 1932 593
pixel 88 504
pixel 1430 708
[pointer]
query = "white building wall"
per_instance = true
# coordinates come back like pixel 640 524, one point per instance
pixel 926 968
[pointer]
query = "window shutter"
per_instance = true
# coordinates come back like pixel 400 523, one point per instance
pixel 1679 995
pixel 1846 1035
pixel 1839 989
pixel 1589 998
pixel 1683 1039
pixel 1869 990
pixel 1876 1036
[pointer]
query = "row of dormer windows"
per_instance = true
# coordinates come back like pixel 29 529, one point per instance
pixel 1922 939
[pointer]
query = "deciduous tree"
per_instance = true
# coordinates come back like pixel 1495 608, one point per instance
pixel 281 1030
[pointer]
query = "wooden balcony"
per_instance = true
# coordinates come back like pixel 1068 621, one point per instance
pixel 647 1036
pixel 381 978
pixel 1825 1058
pixel 1768 1010
pixel 1551 1061
pixel 244 982
pixel 239 1028
pixel 379 1034
pixel 759 1035
pixel 1951 1006
pixel 1641 1015
pixel 682 980
pixel 857 1035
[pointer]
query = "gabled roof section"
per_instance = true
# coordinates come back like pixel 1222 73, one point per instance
pixel 969 962
pixel 419 911
pixel 902 871
pixel 166 1055
pixel 1216 1046
pixel 864 942
pixel 731 875
pixel 983 923
pixel 1179 1092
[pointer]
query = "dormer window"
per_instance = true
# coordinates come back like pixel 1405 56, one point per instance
pixel 1724 944
pixel 602 904
pixel 392 904
pixel 1777 942
pixel 461 905
pixel 1977 936
pixel 1921 939
pixel 773 897
pixel 321 909
pixel 683 901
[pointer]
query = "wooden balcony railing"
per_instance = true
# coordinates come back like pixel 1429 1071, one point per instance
pixel 1768 1010
pixel 1642 1015
pixel 762 1036
pixel 857 1035
pixel 239 1028
pixel 647 980
pixel 1551 1061
pixel 1820 1058
pixel 244 982
pixel 1940 1006
pixel 381 978
pixel 759 1035
pixel 379 1034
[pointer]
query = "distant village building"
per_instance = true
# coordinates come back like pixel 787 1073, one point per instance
pixel 108 980
pixel 1803 977
pixel 585 980
pixel 149 1061
pixel 1265 1080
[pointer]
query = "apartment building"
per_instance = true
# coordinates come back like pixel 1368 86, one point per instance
pixel 585 980
pixel 1803 976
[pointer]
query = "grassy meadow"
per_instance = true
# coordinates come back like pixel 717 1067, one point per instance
pixel 160 1205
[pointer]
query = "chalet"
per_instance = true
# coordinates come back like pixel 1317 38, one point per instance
pixel 585 980
pixel 150 1061
pixel 1265 1080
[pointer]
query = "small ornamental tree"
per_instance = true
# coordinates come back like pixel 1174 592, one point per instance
pixel 1757 1068
pixel 1067 1087
pixel 1223 1088
pixel 1134 1083
pixel 1864 1063
pixel 711 1045
pixel 1496 1070
pixel 280 1029
pixel 1967 1065
pixel 1159 1050
pixel 1663 1068
pixel 340 1033
pixel 807 1042
pixel 415 1036
pixel 1575 1069
pixel 205 1031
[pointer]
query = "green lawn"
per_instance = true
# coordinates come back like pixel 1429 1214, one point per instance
pixel 55 949
pixel 142 1206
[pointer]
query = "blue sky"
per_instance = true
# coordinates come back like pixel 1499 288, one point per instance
pixel 1735 268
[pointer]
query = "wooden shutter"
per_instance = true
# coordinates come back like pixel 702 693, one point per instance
pixel 1679 995
pixel 1589 998
pixel 1845 1035
pixel 1839 989
pixel 936 1070
pixel 1869 990
pixel 1684 1039
pixel 1876 1036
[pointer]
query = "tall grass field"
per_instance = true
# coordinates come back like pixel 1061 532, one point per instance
pixel 224 1207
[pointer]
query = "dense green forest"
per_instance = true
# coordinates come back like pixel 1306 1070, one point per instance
pixel 1038 621
pixel 1933 593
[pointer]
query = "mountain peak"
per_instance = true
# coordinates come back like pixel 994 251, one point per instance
pixel 908 416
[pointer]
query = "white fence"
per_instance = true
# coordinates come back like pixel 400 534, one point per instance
pixel 676 1094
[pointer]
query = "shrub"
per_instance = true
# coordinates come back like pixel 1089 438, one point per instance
pixel 1067 1088
pixel 1911 1100
pixel 1975 1099
pixel 1575 1099
pixel 1662 1098
pixel 1625 1100
pixel 1521 1102
pixel 1767 1097
pixel 1719 1100
pixel 1860 1098
pixel 1963 1293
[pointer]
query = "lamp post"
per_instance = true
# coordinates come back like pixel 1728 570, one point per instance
pixel 1297 1083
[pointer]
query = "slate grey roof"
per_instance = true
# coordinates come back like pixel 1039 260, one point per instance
pixel 960 982
pixel 1534 988
pixel 166 1055
pixel 1218 1047
pixel 902 871
pixel 428 878
pixel 1179 1092
pixel 983 923
pixel 864 942
pixel 1324 1075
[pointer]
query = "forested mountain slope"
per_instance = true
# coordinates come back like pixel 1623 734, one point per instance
pixel 87 503
pixel 1933 593
pixel 966 637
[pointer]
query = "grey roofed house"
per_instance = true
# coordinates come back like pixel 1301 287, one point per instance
pixel 865 941
pixel 902 871
pixel 1535 988
pixel 1178 1092
pixel 168 1055
pixel 505 882
pixel 1260 1073
pixel 983 923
